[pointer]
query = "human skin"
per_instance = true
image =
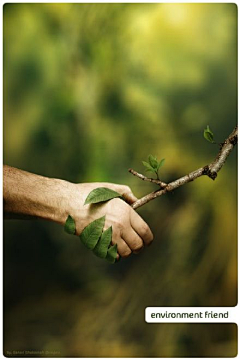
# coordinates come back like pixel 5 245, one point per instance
pixel 28 195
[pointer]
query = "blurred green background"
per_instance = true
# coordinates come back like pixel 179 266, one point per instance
pixel 89 91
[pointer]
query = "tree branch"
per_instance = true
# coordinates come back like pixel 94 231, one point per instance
pixel 210 170
pixel 145 178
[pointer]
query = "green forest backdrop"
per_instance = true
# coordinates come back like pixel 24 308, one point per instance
pixel 89 91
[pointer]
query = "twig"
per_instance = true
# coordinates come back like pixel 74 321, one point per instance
pixel 210 170
pixel 145 178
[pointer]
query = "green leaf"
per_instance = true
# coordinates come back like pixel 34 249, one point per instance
pixel 70 226
pixel 153 161
pixel 160 163
pixel 92 232
pixel 148 167
pixel 208 134
pixel 150 170
pixel 112 254
pixel 101 194
pixel 101 248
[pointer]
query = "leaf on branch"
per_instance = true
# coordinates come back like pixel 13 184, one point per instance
pixel 153 165
pixel 101 194
pixel 92 232
pixel 208 134
pixel 148 167
pixel 70 226
pixel 160 163
pixel 101 248
pixel 112 254
pixel 153 162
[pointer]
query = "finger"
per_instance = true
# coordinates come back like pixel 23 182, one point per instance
pixel 122 248
pixel 127 193
pixel 130 197
pixel 132 239
pixel 141 227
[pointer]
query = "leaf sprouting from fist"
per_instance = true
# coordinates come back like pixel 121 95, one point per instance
pixel 70 226
pixel 101 194
pixel 112 254
pixel 101 248
pixel 92 232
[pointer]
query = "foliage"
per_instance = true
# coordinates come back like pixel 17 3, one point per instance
pixel 153 165
pixel 94 238
pixel 92 233
pixel 70 226
pixel 208 135
pixel 101 194
pixel 101 249
pixel 112 254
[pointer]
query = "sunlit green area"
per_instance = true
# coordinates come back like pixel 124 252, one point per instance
pixel 91 90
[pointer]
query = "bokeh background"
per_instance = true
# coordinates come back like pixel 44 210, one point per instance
pixel 89 91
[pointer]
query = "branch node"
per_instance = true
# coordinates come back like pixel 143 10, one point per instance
pixel 221 145
pixel 205 170
pixel 211 174
pixel 233 140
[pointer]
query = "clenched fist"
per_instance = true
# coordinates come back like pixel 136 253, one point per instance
pixel 130 231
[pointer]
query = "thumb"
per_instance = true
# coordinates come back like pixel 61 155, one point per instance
pixel 128 195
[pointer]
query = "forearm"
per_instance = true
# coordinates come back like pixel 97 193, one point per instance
pixel 28 195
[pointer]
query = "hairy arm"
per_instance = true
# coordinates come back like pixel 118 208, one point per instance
pixel 27 195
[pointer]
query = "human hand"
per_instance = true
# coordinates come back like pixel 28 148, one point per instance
pixel 130 231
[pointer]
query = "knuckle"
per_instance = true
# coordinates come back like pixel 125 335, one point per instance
pixel 125 252
pixel 120 227
pixel 117 226
pixel 137 245
pixel 145 229
pixel 150 239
